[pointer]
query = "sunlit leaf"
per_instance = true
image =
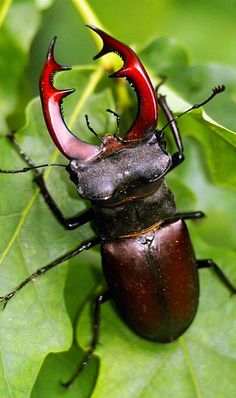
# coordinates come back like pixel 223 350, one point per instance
pixel 18 27
pixel 36 323
pixel 36 327
pixel 193 82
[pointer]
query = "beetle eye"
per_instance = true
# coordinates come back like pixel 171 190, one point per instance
pixel 72 166
pixel 72 170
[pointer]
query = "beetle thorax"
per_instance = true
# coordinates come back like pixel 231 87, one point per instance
pixel 121 175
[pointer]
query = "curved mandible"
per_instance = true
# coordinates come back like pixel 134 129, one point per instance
pixel 68 144
pixel 135 73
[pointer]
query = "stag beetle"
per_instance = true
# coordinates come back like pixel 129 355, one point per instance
pixel 147 257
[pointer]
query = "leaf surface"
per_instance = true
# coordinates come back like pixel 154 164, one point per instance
pixel 35 322
pixel 38 321
pixel 19 22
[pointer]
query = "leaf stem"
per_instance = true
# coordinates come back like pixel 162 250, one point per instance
pixel 89 16
pixel 4 7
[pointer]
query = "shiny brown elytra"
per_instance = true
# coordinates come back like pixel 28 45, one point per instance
pixel 154 280
pixel 147 256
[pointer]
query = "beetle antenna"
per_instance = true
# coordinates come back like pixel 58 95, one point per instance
pixel 25 169
pixel 216 90
pixel 117 121
pixel 92 130
pixel 118 124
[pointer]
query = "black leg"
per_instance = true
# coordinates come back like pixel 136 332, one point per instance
pixel 208 263
pixel 178 156
pixel 190 215
pixel 68 223
pixel 185 216
pixel 43 270
pixel 97 315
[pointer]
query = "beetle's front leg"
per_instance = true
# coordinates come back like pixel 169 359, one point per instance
pixel 178 156
pixel 68 223
pixel 84 246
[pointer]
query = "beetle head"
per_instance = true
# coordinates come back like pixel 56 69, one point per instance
pixel 126 173
pixel 118 167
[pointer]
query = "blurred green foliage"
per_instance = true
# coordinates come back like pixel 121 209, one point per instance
pixel 205 29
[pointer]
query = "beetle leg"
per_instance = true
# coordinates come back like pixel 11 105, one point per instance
pixel 68 223
pixel 84 246
pixel 190 215
pixel 185 216
pixel 208 263
pixel 178 156
pixel 102 298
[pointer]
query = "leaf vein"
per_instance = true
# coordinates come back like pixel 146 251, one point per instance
pixel 93 81
pixel 155 370
pixel 189 364
pixel 4 369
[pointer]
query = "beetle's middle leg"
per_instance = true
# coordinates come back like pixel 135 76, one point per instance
pixel 68 223
pixel 84 246
pixel 191 215
pixel 208 263
pixel 102 298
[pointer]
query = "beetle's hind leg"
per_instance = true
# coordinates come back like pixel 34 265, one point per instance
pixel 208 263
pixel 68 223
pixel 102 298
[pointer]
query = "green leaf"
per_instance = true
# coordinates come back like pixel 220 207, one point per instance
pixel 36 322
pixel 80 284
pixel 190 366
pixel 193 82
pixel 15 41
pixel 36 326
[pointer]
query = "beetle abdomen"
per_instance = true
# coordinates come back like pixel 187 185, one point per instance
pixel 153 280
